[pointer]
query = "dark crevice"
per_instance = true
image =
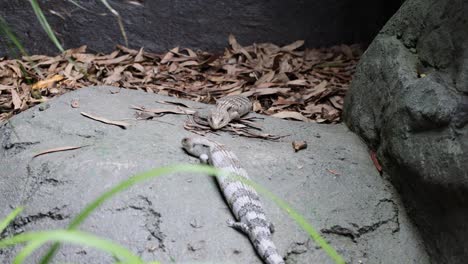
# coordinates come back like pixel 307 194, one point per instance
pixel 357 232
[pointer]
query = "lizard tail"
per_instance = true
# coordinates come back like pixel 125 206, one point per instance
pixel 267 250
pixel 270 255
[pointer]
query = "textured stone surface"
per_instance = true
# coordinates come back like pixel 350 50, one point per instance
pixel 159 25
pixel 409 102
pixel 183 217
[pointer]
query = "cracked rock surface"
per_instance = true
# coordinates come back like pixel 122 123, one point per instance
pixel 182 217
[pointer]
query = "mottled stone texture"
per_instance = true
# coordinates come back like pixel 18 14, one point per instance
pixel 181 218
pixel 162 24
pixel 409 102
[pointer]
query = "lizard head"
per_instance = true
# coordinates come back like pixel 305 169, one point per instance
pixel 218 119
pixel 198 147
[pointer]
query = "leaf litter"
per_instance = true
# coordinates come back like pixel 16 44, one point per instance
pixel 289 82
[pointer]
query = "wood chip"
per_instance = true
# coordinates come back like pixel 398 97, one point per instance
pixel 299 145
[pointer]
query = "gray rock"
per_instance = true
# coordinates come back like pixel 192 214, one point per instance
pixel 183 217
pixel 412 108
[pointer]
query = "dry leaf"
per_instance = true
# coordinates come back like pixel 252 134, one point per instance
pixel 57 150
pixel 266 91
pixel 107 121
pixel 177 110
pixel 113 61
pixel 16 99
pixel 47 83
pixel 311 82
pixel 169 55
pixel 291 115
pixel 293 46
pixel 298 82
pixel 266 78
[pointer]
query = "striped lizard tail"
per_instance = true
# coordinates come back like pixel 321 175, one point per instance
pixel 242 199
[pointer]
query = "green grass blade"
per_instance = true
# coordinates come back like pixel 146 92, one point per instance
pixel 75 237
pixel 299 219
pixel 7 220
pixel 196 169
pixel 119 20
pixel 45 25
pixel 6 31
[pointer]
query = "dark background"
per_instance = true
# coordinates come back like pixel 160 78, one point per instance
pixel 159 25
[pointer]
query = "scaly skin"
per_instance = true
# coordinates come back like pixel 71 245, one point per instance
pixel 242 199
pixel 227 109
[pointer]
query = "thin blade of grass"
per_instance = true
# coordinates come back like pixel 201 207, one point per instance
pixel 7 220
pixel 119 20
pixel 45 25
pixel 71 236
pixel 154 173
pixel 5 29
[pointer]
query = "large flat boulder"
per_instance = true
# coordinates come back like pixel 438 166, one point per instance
pixel 182 217
pixel 409 102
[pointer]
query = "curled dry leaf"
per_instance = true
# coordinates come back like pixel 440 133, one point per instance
pixel 291 115
pixel 299 145
pixel 295 45
pixel 47 83
pixel 15 99
pixel 57 150
pixel 107 121
pixel 158 111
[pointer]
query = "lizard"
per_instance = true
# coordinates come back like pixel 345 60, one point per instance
pixel 228 108
pixel 242 199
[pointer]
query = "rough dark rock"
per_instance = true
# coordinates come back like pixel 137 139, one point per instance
pixel 164 24
pixel 183 217
pixel 409 102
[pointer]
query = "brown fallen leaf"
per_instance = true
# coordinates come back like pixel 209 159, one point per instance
pixel 48 82
pixel 316 80
pixel 299 145
pixel 266 91
pixel 291 115
pixel 113 61
pixel 293 46
pixel 169 55
pixel 177 110
pixel 107 121
pixel 266 78
pixel 333 172
pixel 298 82
pixel 318 89
pixel 16 99
pixel 172 103
pixel 57 150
